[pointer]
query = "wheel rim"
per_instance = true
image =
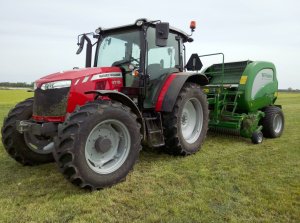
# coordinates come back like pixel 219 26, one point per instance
pixel 38 144
pixel 107 146
pixel 277 123
pixel 259 137
pixel 191 120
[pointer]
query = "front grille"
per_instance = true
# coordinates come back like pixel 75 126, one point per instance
pixel 51 102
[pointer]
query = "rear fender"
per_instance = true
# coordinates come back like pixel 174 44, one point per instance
pixel 172 86
pixel 124 99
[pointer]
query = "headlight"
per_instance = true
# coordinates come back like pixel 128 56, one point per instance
pixel 56 84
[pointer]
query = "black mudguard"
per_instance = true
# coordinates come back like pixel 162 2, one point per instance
pixel 124 99
pixel 170 96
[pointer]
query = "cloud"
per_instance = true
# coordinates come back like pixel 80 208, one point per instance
pixel 39 37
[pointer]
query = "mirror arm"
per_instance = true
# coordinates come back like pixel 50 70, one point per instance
pixel 88 59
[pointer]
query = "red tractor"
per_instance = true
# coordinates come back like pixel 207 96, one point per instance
pixel 94 120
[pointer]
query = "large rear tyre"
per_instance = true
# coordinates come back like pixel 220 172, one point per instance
pixel 26 148
pixel 98 144
pixel 186 126
pixel 273 122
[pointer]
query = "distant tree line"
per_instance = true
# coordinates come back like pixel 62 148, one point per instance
pixel 17 84
pixel 289 90
pixel 26 85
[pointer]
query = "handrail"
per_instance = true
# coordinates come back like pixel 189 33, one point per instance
pixel 223 57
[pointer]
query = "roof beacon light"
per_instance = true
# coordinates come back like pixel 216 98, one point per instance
pixel 193 25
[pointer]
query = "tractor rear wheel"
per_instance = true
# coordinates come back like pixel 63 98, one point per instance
pixel 186 126
pixel 98 144
pixel 26 148
pixel 273 122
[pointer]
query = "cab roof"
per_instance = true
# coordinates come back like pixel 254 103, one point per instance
pixel 151 23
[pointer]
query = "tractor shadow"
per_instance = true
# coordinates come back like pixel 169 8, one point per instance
pixel 222 137
pixel 149 154
pixel 22 182
pixel 46 180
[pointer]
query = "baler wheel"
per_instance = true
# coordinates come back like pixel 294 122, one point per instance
pixel 98 144
pixel 273 122
pixel 186 126
pixel 257 137
pixel 25 148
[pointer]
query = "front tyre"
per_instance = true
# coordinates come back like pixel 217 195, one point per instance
pixel 98 144
pixel 26 148
pixel 186 126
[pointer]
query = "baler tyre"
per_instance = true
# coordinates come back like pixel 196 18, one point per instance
pixel 186 126
pixel 98 144
pixel 257 137
pixel 24 148
pixel 273 122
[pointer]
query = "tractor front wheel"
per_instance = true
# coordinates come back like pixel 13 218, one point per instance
pixel 98 144
pixel 26 148
pixel 186 126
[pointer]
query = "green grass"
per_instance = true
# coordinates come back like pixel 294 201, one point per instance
pixel 229 180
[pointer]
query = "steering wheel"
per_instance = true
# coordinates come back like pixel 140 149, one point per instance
pixel 122 62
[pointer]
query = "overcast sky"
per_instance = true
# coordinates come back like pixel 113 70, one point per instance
pixel 38 37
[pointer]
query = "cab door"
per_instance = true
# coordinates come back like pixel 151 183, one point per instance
pixel 160 62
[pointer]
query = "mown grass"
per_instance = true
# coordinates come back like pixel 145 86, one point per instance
pixel 229 180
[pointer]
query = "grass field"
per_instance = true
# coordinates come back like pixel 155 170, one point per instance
pixel 229 180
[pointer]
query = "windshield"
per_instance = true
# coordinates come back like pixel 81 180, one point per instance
pixel 119 48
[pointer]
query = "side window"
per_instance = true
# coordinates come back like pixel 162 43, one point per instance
pixel 135 54
pixel 161 60
pixel 165 56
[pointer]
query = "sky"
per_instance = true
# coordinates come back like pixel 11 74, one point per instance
pixel 38 37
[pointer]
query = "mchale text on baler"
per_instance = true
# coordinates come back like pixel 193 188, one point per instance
pixel 94 120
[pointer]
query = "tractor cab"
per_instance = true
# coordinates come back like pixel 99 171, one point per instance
pixel 146 52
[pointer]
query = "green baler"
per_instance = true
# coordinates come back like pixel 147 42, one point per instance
pixel 241 97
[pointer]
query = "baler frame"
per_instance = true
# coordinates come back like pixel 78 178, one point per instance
pixel 220 97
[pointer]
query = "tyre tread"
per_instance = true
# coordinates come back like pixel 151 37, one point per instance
pixel 267 121
pixel 64 145
pixel 173 145
pixel 11 144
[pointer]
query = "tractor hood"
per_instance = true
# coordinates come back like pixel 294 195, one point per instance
pixel 76 74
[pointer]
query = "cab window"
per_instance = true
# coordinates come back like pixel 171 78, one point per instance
pixel 161 60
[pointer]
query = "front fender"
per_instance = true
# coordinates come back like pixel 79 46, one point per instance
pixel 124 99
pixel 172 86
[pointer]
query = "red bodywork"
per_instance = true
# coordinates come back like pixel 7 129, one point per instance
pixel 81 83
pixel 163 92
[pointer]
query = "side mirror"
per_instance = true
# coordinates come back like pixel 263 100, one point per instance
pixel 162 34
pixel 80 44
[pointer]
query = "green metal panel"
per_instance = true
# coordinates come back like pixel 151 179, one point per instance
pixel 256 73
pixel 232 73
pixel 237 92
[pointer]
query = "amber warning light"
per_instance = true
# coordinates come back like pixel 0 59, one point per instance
pixel 193 25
